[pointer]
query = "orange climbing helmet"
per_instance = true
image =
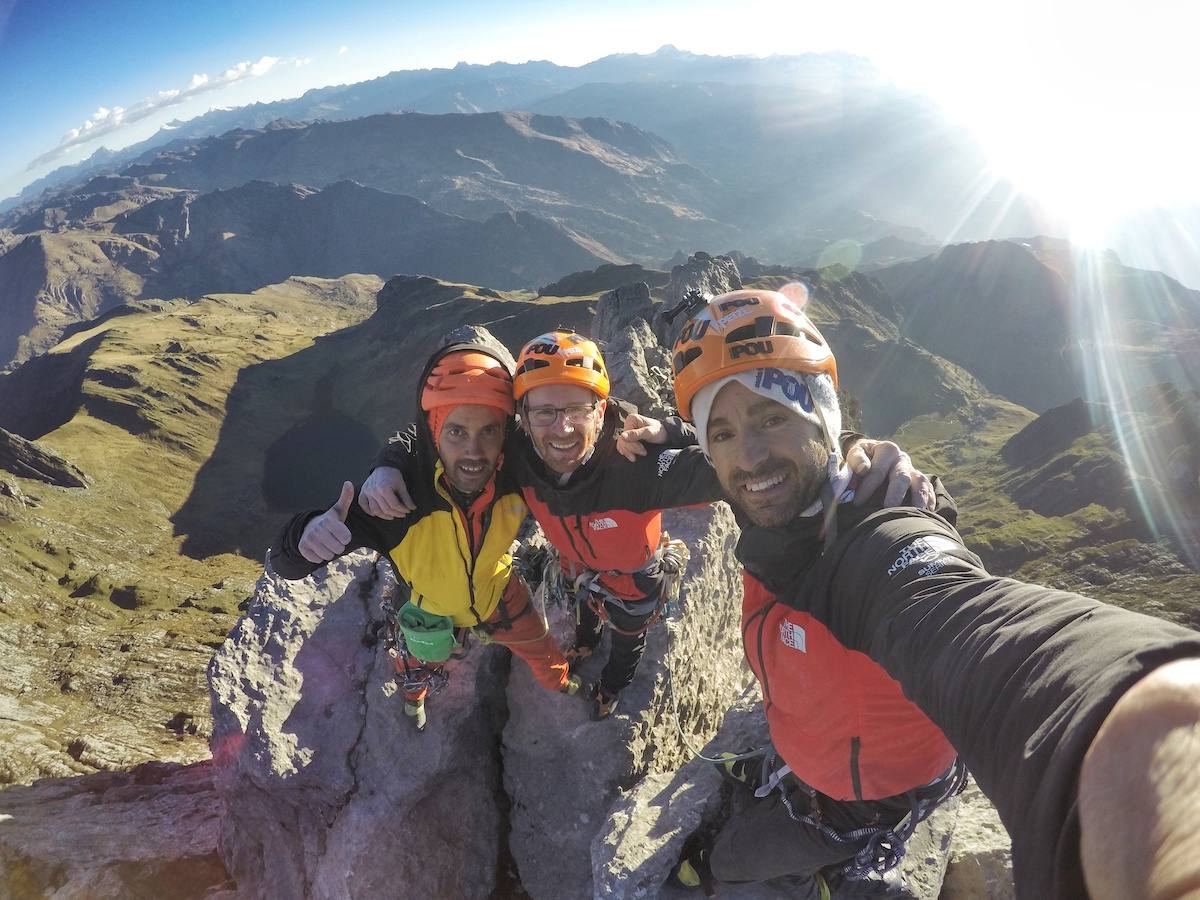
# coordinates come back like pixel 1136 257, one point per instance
pixel 560 357
pixel 745 330
pixel 468 376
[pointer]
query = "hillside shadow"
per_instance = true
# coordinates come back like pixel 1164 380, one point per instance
pixel 292 434
pixel 296 427
pixel 298 469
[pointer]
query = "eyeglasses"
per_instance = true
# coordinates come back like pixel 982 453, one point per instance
pixel 575 414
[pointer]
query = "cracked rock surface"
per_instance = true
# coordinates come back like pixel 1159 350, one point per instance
pixel 148 832
pixel 329 789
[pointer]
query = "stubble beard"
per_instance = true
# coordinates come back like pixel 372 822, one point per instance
pixel 803 488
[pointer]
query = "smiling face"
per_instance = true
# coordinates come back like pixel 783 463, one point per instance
pixel 564 445
pixel 770 461
pixel 469 445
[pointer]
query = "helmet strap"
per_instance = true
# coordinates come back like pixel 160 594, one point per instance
pixel 829 503
pixel 833 465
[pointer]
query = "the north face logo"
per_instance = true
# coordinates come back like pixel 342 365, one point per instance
pixel 665 459
pixel 602 524
pixel 793 636
pixel 929 549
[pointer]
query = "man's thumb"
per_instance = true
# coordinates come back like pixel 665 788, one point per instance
pixel 634 420
pixel 342 507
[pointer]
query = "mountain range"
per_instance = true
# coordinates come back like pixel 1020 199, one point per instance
pixel 210 331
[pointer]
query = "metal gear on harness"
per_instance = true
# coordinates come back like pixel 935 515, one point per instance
pixel 414 676
pixel 528 564
pixel 884 846
pixel 559 588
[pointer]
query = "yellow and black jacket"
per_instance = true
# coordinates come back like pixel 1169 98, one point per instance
pixel 453 551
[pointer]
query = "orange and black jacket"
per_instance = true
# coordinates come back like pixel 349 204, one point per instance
pixel 453 551
pixel 835 716
pixel 1018 677
pixel 607 516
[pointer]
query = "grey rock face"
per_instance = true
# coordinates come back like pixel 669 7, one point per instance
pixel 638 366
pixel 330 791
pixel 619 307
pixel 640 370
pixel 647 827
pixel 31 460
pixel 148 832
pixel 981 856
pixel 563 771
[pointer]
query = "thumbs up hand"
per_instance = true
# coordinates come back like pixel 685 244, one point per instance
pixel 326 536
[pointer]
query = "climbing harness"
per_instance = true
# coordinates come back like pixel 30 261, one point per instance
pixel 561 589
pixel 885 846
pixel 413 673
pixel 528 561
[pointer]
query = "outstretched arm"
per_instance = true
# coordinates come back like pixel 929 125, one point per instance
pixel 1139 791
pixel 313 538
pixel 1019 677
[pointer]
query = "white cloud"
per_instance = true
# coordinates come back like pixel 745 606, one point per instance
pixel 106 120
pixel 299 61
pixel 343 49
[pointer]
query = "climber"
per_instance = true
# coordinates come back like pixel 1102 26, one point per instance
pixel 455 549
pixel 883 648
pixel 601 513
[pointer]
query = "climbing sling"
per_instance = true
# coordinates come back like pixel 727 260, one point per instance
pixel 884 846
pixel 585 587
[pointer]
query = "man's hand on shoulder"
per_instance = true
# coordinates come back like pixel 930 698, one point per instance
pixel 384 494
pixel 326 536
pixel 639 431
pixel 876 461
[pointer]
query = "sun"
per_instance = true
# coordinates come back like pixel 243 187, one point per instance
pixel 1085 107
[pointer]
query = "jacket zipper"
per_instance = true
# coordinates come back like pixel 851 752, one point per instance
pixel 855 777
pixel 469 566
pixel 764 680
pixel 567 531
pixel 583 535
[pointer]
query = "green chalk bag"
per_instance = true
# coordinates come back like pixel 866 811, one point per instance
pixel 428 637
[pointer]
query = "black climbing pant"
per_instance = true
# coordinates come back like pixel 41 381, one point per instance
pixel 626 649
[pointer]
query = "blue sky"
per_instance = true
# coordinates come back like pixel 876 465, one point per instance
pixel 64 63
pixel 1084 103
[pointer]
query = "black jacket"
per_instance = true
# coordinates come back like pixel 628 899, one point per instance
pixel 1018 676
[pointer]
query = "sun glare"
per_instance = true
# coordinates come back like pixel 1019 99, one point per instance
pixel 1086 107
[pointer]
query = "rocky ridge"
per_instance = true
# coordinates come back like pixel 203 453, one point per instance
pixel 290 748
pixel 1034 320
pixel 181 243
pixel 29 460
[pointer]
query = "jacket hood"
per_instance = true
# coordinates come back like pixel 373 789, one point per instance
pixel 465 337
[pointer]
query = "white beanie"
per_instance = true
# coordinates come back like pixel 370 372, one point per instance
pixel 812 397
